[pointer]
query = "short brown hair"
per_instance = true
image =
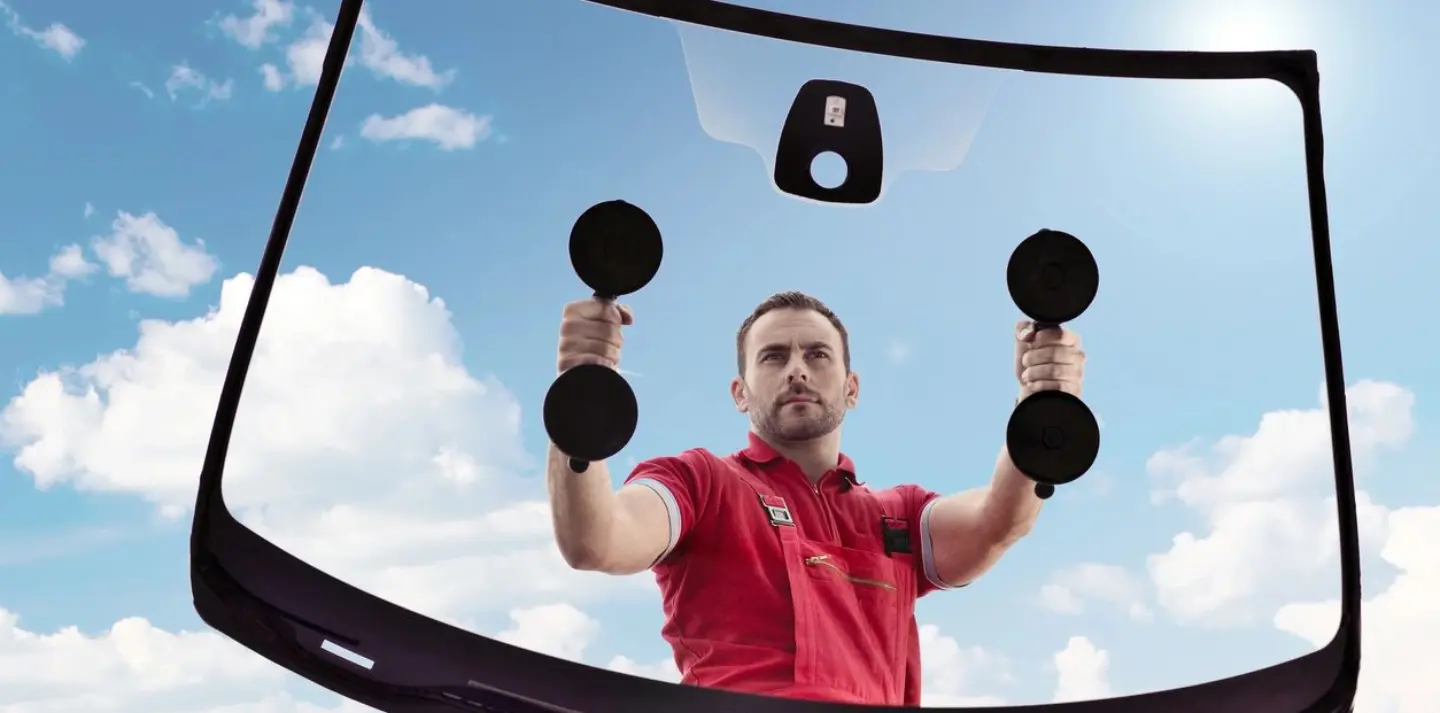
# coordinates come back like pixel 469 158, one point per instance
pixel 789 300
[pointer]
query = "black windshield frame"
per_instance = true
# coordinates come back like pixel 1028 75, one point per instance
pixel 283 609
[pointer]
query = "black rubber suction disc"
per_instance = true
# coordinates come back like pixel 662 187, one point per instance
pixel 1052 277
pixel 615 248
pixel 1053 438
pixel 590 412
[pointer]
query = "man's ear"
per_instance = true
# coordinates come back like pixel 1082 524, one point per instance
pixel 737 392
pixel 852 389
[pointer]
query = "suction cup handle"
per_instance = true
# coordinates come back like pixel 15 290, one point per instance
pixel 1043 490
pixel 580 465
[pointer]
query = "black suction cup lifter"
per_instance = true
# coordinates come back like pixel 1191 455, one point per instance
pixel 590 411
pixel 1052 277
pixel 615 248
pixel 590 414
pixel 1053 438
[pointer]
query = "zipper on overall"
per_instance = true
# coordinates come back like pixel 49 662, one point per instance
pixel 824 561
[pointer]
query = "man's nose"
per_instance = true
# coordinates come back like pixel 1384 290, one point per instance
pixel 798 372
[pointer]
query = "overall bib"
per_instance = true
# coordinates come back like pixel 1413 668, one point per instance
pixel 854 609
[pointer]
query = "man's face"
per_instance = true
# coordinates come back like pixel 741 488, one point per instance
pixel 795 386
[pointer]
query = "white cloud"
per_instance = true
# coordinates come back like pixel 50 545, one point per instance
pixel 1069 589
pixel 260 26
pixel 305 57
pixel 446 127
pixel 662 670
pixel 186 80
pixel 70 263
pixel 394 487
pixel 272 77
pixel 29 295
pixel 135 667
pixel 563 631
pixel 1401 623
pixel 89 209
pixel 378 52
pixel 152 258
pixel 140 87
pixel 337 143
pixel 1061 599
pixel 132 667
pixel 954 675
pixel 59 38
pixel 1273 541
pixel 381 54
pixel 55 37
pixel 558 630
pixel 1267 502
pixel 1082 672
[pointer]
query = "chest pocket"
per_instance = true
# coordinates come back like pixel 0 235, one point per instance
pixel 853 606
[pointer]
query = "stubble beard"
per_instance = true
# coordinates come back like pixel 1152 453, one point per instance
pixel 775 426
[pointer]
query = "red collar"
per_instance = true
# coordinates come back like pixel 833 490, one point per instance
pixel 760 453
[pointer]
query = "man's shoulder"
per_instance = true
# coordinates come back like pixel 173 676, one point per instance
pixel 906 496
pixel 892 490
pixel 693 465
pixel 691 457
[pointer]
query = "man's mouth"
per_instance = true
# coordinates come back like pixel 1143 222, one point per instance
pixel 800 400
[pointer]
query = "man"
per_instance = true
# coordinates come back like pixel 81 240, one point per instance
pixel 780 572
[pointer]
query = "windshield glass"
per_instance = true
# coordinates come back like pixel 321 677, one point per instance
pixel 410 344
pixel 393 427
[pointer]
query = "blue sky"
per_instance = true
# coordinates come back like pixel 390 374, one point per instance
pixel 389 434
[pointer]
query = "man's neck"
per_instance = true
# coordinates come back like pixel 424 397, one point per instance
pixel 816 457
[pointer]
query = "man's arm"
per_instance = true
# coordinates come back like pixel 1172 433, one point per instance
pixel 627 531
pixel 600 529
pixel 968 532
pixel 596 527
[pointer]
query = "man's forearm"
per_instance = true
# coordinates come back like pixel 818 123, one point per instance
pixel 1011 505
pixel 582 509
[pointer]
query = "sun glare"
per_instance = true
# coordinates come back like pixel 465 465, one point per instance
pixel 1233 26
pixel 1241 27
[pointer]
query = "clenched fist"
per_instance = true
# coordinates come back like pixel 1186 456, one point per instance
pixel 590 333
pixel 1048 360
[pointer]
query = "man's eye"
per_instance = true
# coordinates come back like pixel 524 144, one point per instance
pixel 819 355
pixel 772 356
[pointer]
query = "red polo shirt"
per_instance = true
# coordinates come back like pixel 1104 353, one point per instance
pixel 772 585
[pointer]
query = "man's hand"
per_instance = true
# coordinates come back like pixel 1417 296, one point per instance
pixel 590 333
pixel 1048 360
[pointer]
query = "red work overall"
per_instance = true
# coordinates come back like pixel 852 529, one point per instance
pixel 772 585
